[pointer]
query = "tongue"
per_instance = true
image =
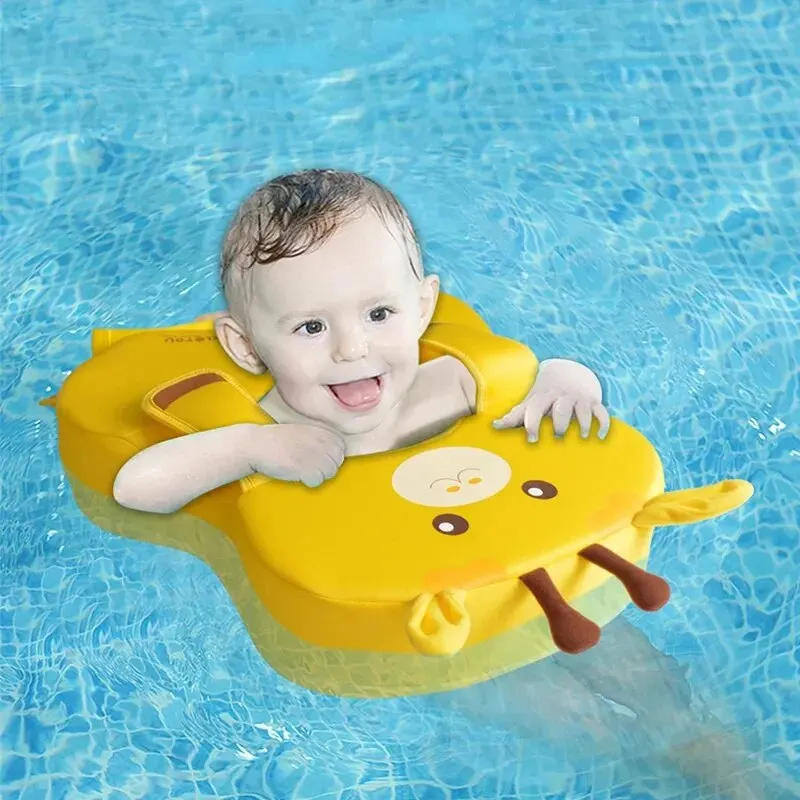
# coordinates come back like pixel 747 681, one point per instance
pixel 356 393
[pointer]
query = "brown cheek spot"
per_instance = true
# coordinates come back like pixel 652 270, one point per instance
pixel 571 631
pixel 648 591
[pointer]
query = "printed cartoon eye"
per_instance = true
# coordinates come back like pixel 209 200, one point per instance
pixel 450 524
pixel 539 490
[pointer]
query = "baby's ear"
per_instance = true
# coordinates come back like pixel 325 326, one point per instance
pixel 236 343
pixel 428 297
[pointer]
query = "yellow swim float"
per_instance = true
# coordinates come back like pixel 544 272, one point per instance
pixel 418 570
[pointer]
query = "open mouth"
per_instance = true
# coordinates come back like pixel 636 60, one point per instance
pixel 571 631
pixel 360 395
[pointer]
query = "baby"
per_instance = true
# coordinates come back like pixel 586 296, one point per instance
pixel 323 279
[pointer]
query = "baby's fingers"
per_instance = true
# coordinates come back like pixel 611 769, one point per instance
pixel 327 463
pixel 312 478
pixel 332 445
pixel 336 452
pixel 600 412
pixel 535 409
pixel 513 419
pixel 583 413
pixel 562 414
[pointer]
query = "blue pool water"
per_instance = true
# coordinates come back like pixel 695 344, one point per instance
pixel 612 181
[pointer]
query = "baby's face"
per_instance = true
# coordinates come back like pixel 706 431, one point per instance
pixel 338 327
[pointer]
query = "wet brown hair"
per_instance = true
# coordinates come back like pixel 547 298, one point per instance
pixel 294 213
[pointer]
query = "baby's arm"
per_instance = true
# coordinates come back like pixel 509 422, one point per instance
pixel 170 474
pixel 165 477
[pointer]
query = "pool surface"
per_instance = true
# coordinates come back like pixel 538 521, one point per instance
pixel 615 182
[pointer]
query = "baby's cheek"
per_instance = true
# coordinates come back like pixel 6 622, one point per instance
pixel 301 395
pixel 293 365
pixel 294 380
pixel 399 350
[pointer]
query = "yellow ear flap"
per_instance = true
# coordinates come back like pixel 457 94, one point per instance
pixel 439 624
pixel 694 505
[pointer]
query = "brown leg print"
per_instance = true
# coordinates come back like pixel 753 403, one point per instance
pixel 571 631
pixel 646 590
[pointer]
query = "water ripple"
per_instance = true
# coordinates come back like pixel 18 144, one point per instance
pixel 612 182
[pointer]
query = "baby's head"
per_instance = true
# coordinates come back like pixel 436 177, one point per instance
pixel 323 278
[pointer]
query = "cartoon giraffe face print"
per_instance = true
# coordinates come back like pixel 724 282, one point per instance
pixel 447 477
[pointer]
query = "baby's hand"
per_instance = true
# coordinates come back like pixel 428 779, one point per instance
pixel 563 389
pixel 303 453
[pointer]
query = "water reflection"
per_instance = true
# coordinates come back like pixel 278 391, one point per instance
pixel 626 703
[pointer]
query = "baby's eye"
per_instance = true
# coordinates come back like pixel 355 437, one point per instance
pixel 380 314
pixel 312 327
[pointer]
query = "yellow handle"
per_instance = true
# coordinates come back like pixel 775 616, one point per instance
pixel 694 505
pixel 439 624
pixel 204 400
pixel 503 369
pixel 452 310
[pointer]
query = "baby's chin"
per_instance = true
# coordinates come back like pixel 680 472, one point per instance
pixel 355 424
pixel 379 421
pixel 327 407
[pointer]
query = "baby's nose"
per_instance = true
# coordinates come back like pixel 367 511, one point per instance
pixel 351 345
